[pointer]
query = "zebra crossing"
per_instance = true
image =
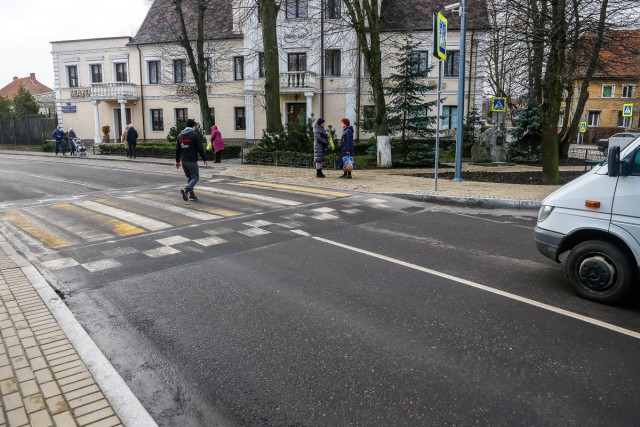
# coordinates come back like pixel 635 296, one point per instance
pixel 98 233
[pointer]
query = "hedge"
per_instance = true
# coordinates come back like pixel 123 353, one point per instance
pixel 164 150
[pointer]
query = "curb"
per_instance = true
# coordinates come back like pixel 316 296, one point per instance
pixel 471 201
pixel 122 400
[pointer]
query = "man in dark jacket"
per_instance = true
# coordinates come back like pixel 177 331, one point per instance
pixel 132 140
pixel 188 146
pixel 58 134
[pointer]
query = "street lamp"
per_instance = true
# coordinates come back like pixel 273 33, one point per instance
pixel 461 8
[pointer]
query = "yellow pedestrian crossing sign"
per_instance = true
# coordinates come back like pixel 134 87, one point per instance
pixel 627 110
pixel 499 105
pixel 583 127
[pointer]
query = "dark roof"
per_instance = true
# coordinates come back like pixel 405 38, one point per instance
pixel 416 15
pixel 161 23
pixel 29 83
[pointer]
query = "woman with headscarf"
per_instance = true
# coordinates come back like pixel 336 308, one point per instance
pixel 320 145
pixel 218 143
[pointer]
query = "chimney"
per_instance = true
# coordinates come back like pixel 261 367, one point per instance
pixel 33 76
pixel 15 78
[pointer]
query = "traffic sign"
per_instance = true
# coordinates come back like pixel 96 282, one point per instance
pixel 439 36
pixel 583 127
pixel 627 110
pixel 499 105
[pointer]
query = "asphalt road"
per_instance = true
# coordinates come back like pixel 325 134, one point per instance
pixel 261 306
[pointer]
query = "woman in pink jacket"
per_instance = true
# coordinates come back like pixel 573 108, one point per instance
pixel 218 143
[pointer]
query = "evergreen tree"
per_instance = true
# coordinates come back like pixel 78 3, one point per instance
pixel 24 103
pixel 471 131
pixel 408 112
pixel 5 107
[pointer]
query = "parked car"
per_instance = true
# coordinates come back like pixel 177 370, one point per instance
pixel 622 139
pixel 596 219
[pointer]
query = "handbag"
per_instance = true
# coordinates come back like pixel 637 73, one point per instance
pixel 209 145
pixel 347 163
pixel 331 144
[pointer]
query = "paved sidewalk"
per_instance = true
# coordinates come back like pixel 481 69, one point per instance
pixel 43 379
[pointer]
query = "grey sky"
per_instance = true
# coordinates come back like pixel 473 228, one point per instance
pixel 29 26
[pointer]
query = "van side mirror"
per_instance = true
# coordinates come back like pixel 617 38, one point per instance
pixel 613 161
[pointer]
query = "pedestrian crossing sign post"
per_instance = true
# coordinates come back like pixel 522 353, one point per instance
pixel 583 127
pixel 627 110
pixel 499 105
pixel 440 36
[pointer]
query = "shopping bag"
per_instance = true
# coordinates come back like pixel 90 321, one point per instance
pixel 209 145
pixel 347 163
pixel 331 144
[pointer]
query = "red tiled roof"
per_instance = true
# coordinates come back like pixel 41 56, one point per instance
pixel 619 56
pixel 29 83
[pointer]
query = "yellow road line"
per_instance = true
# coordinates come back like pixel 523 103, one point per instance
pixel 296 188
pixel 119 227
pixel 21 221
pixel 200 206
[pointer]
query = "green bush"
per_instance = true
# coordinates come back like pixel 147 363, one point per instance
pixel 160 149
pixel 296 136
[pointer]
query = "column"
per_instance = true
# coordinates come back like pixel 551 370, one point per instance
pixel 97 138
pixel 309 96
pixel 123 117
pixel 249 117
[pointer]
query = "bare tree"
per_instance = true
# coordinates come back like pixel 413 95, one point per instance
pixel 364 17
pixel 268 10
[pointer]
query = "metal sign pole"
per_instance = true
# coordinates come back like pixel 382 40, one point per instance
pixel 437 156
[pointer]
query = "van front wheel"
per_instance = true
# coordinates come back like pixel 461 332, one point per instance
pixel 599 271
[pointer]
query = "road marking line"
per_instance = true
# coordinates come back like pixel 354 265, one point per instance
pixel 161 251
pixel 21 221
pixel 301 232
pixel 202 216
pixel 209 241
pixel 296 188
pixel 325 217
pixel 324 210
pixel 486 288
pixel 257 223
pixel 173 240
pixel 118 227
pixel 193 206
pixel 57 264
pixel 253 232
pixel 142 221
pixel 104 264
pixel 251 196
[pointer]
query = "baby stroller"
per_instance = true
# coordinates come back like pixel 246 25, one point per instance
pixel 81 150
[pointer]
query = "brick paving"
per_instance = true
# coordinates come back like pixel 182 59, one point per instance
pixel 43 381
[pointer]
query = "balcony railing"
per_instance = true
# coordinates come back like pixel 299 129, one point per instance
pixel 297 80
pixel 118 90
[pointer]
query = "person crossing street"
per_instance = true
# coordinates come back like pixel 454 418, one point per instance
pixel 188 146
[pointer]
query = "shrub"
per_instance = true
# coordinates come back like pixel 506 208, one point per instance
pixel 172 136
pixel 296 136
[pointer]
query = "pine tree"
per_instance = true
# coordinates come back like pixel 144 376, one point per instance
pixel 5 107
pixel 408 111
pixel 24 103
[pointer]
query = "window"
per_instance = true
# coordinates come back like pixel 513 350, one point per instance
pixel 368 117
pixel 181 115
pixel 212 114
pixel 296 9
pixel 365 68
pixel 624 122
pixel 240 119
pixel 627 91
pixel 449 117
pixel 452 64
pixel 594 118
pixel 72 75
pixel 332 63
pixel 635 166
pixel 332 9
pixel 121 71
pixel 179 70
pixel 238 68
pixel 96 73
pixel 208 73
pixel 156 120
pixel 297 62
pixel 420 63
pixel 262 68
pixel 608 91
pixel 154 72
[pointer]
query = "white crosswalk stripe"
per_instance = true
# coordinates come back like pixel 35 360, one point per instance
pixel 133 218
pixel 203 216
pixel 250 196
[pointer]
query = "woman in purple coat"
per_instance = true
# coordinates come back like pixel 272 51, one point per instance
pixel 218 143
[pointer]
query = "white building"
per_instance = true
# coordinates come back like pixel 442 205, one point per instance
pixel 146 80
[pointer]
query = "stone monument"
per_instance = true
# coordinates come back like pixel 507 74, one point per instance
pixel 491 147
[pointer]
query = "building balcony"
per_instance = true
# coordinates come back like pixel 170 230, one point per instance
pixel 114 91
pixel 298 81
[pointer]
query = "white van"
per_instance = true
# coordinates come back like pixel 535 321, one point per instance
pixel 596 218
